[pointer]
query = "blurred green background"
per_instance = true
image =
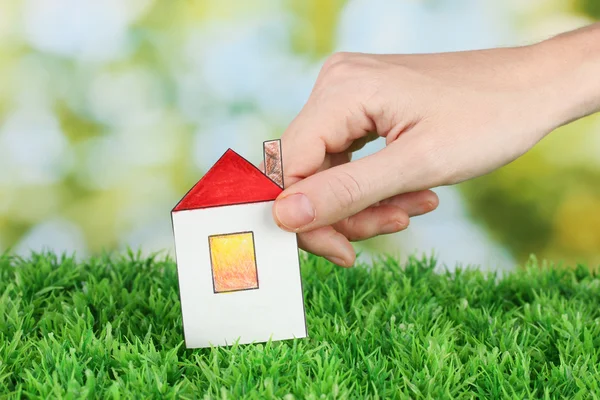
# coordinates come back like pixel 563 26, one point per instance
pixel 110 110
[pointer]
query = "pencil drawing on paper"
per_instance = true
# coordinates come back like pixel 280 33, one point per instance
pixel 238 271
pixel 233 261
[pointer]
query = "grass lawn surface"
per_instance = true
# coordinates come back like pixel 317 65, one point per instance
pixel 110 328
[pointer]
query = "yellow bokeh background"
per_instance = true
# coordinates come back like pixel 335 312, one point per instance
pixel 111 110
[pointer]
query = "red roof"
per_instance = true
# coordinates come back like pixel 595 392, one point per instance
pixel 232 180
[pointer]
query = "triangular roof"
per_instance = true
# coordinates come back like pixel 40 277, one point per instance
pixel 232 180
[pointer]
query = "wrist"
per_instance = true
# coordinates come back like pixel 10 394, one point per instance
pixel 569 69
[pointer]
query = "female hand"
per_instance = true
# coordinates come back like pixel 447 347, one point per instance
pixel 445 118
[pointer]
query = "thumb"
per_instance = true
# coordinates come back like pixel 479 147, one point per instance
pixel 339 192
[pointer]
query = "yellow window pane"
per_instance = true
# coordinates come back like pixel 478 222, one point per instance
pixel 233 262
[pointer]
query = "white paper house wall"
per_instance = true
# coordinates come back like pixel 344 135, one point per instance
pixel 239 273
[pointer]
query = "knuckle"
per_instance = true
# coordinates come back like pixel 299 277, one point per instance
pixel 343 66
pixel 352 230
pixel 335 59
pixel 345 189
pixel 351 74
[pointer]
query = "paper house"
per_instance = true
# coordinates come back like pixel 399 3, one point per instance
pixel 239 273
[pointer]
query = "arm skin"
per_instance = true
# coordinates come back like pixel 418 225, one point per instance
pixel 446 118
pixel 576 76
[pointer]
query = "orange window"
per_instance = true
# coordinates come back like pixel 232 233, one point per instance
pixel 233 260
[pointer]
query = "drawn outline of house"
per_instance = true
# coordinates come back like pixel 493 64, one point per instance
pixel 231 206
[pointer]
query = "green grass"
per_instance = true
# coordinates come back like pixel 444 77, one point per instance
pixel 110 327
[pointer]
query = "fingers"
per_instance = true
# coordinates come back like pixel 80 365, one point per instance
pixel 391 216
pixel 329 243
pixel 346 107
pixel 373 221
pixel 363 141
pixel 339 192
pixel 415 203
pixel 333 118
pixel 310 141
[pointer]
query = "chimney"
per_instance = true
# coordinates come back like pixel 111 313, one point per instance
pixel 273 161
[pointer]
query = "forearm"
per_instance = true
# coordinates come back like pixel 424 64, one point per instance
pixel 571 65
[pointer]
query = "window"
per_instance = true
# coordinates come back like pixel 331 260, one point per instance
pixel 233 262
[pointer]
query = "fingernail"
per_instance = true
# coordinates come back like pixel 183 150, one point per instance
pixel 393 227
pixel 294 211
pixel 344 252
pixel 337 261
pixel 431 205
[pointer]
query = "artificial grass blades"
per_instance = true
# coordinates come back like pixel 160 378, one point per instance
pixel 110 327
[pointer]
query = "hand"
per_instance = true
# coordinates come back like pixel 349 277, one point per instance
pixel 445 118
